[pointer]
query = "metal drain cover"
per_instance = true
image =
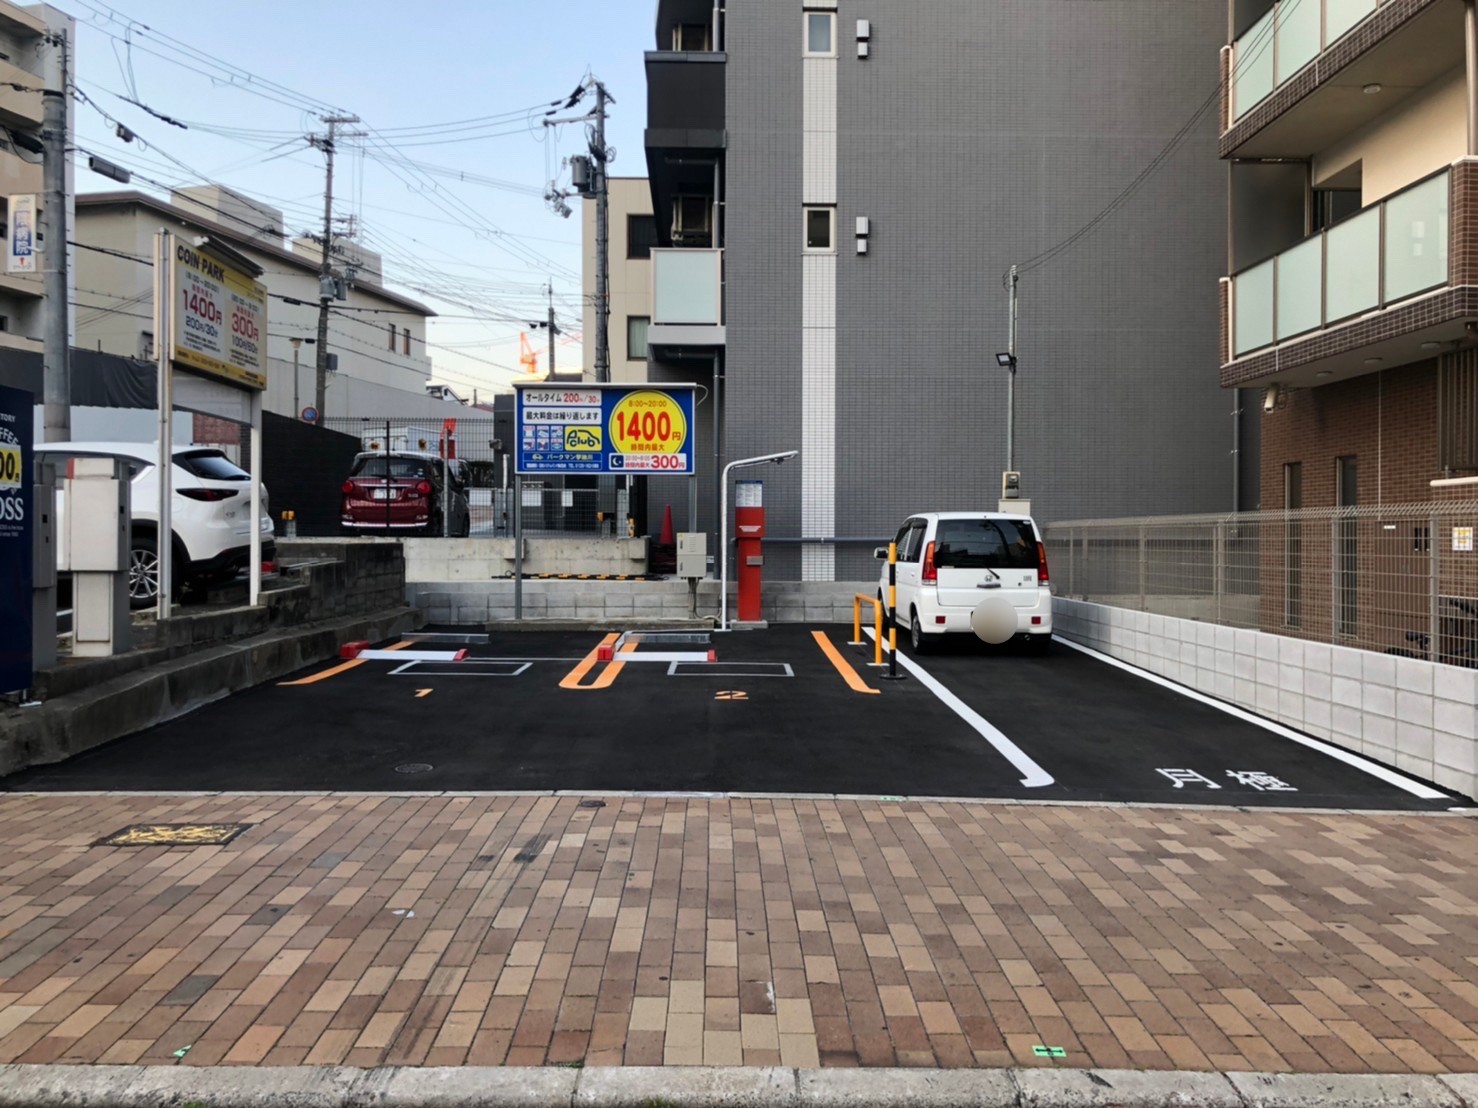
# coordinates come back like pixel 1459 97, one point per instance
pixel 591 804
pixel 414 767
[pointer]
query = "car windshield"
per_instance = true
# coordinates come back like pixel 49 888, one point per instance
pixel 986 544
pixel 375 466
pixel 212 465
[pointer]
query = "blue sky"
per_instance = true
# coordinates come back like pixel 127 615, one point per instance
pixel 464 247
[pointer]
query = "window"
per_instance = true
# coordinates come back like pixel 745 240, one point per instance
pixel 909 545
pixel 406 339
pixel 641 235
pixel 691 37
pixel 1293 500
pixel 636 337
pixel 374 465
pixel 985 544
pixel 821 33
pixel 392 336
pixel 212 465
pixel 1457 412
pixel 819 227
pixel 692 221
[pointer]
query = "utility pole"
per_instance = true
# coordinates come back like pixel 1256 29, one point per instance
pixel 325 269
pixel 602 237
pixel 56 378
pixel 553 330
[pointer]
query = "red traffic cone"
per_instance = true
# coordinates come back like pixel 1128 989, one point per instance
pixel 667 538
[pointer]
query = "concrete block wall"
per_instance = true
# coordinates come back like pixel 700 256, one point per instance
pixel 476 602
pixel 356 577
pixel 1418 716
pixel 483 559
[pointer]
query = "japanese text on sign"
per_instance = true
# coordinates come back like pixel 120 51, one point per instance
pixel 606 429
pixel 220 319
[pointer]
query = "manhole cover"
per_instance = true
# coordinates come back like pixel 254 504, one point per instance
pixel 174 834
pixel 592 804
pixel 414 767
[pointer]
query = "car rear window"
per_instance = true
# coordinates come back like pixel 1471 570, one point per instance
pixel 985 543
pixel 212 465
pixel 374 466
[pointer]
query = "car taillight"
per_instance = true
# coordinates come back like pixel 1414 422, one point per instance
pixel 930 572
pixel 1042 577
pixel 208 494
pixel 423 488
pixel 347 488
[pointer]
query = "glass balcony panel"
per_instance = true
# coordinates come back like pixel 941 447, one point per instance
pixel 1252 62
pixel 685 286
pixel 1353 249
pixel 1416 239
pixel 1300 288
pixel 1253 302
pixel 1341 15
pixel 1298 36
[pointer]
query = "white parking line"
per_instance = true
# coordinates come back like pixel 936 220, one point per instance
pixel 1365 765
pixel 1033 775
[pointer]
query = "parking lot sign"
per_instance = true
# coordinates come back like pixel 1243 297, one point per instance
pixel 16 420
pixel 605 429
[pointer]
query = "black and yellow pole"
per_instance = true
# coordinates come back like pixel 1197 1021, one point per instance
pixel 893 674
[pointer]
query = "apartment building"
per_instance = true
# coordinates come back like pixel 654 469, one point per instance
pixel 633 233
pixel 30 61
pixel 839 190
pixel 376 335
pixel 1350 128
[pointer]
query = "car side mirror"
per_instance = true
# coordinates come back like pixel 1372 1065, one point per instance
pixel 880 552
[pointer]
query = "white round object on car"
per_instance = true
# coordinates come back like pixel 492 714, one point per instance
pixel 994 620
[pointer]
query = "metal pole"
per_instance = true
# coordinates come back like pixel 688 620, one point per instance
pixel 387 476
pixel 517 546
pixel 602 240
pixel 1435 572
pixel 297 404
pixel 553 330
pixel 1011 384
pixel 56 379
pixel 254 574
pixel 1470 35
pixel 446 483
pixel 718 455
pixel 723 548
pixel 164 349
pixel 325 265
pixel 693 501
pixel 893 611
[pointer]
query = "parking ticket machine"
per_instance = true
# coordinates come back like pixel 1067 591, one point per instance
pixel 749 531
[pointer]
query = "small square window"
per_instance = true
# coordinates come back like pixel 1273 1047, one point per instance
pixel 819 228
pixel 636 337
pixel 821 33
pixel 641 235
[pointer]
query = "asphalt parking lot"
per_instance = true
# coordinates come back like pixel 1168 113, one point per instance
pixel 789 710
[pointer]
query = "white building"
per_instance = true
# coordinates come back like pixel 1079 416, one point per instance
pixel 633 233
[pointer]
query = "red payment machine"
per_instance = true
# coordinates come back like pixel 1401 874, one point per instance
pixel 749 529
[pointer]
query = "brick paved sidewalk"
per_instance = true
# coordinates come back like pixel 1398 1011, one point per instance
pixel 371 930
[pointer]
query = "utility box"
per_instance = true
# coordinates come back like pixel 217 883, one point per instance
pixel 692 554
pixel 97 521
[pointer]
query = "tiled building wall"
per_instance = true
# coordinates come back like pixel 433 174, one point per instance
pixel 970 146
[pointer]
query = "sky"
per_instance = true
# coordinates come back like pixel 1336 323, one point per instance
pixel 455 207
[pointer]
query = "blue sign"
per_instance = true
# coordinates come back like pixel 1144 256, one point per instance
pixel 603 429
pixel 309 414
pixel 16 421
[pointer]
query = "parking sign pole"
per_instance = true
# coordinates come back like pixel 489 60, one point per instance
pixel 164 351
pixel 517 546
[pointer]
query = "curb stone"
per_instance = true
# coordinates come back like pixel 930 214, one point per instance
pixel 93 1086
pixel 1366 1090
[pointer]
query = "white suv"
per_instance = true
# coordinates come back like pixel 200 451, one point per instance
pixel 210 513
pixel 982 572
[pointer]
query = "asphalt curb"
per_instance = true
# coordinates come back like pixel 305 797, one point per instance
pixel 705 1087
pixel 80 720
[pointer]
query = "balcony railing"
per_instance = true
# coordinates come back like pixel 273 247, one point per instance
pixel 1291 34
pixel 687 287
pixel 1390 251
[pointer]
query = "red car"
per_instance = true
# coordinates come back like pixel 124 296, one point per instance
pixel 403 492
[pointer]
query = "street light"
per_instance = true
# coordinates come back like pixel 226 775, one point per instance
pixel 1006 361
pixel 723 513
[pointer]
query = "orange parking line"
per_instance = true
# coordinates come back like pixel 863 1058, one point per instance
pixel 334 671
pixel 849 675
pixel 586 664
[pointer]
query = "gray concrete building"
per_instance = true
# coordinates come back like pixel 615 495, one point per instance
pixel 839 190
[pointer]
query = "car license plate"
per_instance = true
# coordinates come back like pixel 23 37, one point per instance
pixel 380 494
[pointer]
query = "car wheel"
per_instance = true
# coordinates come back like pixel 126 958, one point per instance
pixel 921 642
pixel 143 573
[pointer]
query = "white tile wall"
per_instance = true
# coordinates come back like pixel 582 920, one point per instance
pixel 1415 715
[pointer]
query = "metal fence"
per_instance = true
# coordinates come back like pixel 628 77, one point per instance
pixel 1396 578
pixel 550 506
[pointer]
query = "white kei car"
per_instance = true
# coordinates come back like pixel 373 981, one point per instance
pixel 210 513
pixel 962 572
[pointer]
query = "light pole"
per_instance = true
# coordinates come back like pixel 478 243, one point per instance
pixel 723 515
pixel 297 407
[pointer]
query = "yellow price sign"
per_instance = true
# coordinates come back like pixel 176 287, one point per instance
pixel 648 423
pixel 10 466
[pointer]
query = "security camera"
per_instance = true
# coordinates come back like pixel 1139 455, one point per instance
pixel 1270 398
